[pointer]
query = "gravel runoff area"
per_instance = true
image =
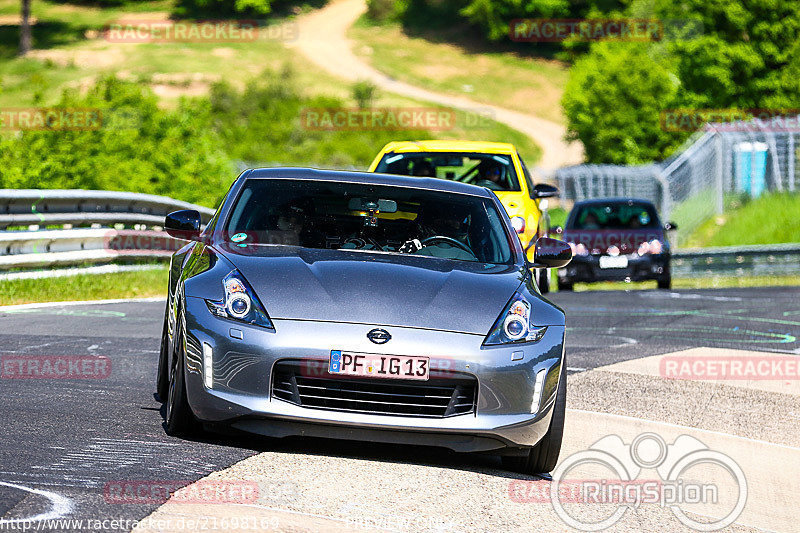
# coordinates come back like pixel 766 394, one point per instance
pixel 309 484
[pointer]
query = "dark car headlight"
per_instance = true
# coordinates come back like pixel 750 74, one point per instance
pixel 239 302
pixel 654 247
pixel 514 324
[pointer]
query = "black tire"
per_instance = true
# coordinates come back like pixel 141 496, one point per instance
pixel 563 286
pixel 162 379
pixel 665 282
pixel 179 420
pixel 543 280
pixel 543 457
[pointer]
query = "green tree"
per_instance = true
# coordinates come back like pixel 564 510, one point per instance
pixel 222 8
pixel 740 54
pixel 613 100
pixel 25 39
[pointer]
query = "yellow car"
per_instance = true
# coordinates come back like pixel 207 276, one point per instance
pixel 496 166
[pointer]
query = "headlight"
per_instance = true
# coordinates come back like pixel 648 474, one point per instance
pixel 578 249
pixel 613 250
pixel 653 247
pixel 514 324
pixel 519 224
pixel 239 302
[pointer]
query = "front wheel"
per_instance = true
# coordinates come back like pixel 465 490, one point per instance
pixel 162 379
pixel 180 420
pixel 543 457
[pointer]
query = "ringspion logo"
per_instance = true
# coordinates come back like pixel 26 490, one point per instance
pixel 692 481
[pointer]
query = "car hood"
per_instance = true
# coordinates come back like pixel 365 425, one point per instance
pixel 626 240
pixel 370 288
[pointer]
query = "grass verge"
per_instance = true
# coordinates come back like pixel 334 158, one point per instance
pixel 136 284
pixel 500 77
pixel 770 219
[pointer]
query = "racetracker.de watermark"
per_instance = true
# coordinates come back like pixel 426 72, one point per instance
pixel 556 30
pixel 209 31
pixel 378 118
pixel 207 491
pixel 137 242
pixel 62 119
pixel 50 118
pixel 752 368
pixel 55 367
pixel 733 120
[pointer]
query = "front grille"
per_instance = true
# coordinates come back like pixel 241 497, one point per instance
pixel 308 384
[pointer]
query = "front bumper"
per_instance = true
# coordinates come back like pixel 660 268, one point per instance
pixel 586 269
pixel 242 373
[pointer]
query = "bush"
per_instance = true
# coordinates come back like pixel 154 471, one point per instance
pixel 613 101
pixel 139 148
pixel 221 8
pixel 264 124
pixel 364 93
pixel 382 10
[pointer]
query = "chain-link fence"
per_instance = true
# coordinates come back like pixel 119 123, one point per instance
pixel 740 158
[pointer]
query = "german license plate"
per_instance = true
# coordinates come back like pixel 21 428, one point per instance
pixel 378 366
pixel 618 261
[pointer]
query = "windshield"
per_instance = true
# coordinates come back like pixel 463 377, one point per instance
pixel 373 218
pixel 628 215
pixel 493 171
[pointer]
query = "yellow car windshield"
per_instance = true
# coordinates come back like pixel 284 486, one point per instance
pixel 494 171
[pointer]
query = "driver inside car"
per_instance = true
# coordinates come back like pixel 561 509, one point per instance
pixel 491 176
pixel 289 225
pixel 441 234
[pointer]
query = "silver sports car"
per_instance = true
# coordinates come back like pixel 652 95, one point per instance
pixel 364 306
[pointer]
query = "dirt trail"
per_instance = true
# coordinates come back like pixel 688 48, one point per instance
pixel 323 39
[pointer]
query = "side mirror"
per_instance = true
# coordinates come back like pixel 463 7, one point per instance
pixel 184 224
pixel 551 253
pixel 543 190
pixel 669 226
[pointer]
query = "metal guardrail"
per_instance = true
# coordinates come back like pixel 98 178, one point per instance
pixel 25 207
pixel 761 260
pixel 31 249
pixel 95 244
pixel 52 247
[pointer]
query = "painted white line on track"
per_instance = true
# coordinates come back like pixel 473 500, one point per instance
pixel 60 506
pixel 85 302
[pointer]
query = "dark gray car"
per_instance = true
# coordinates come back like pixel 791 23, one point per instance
pixel 364 306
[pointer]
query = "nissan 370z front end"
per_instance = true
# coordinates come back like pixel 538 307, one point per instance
pixel 357 306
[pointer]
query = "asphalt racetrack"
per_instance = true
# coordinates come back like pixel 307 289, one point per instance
pixel 66 441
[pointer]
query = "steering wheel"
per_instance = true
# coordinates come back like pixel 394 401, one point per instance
pixel 489 184
pixel 448 240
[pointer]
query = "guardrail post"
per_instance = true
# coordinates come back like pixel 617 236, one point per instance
pixel 719 177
